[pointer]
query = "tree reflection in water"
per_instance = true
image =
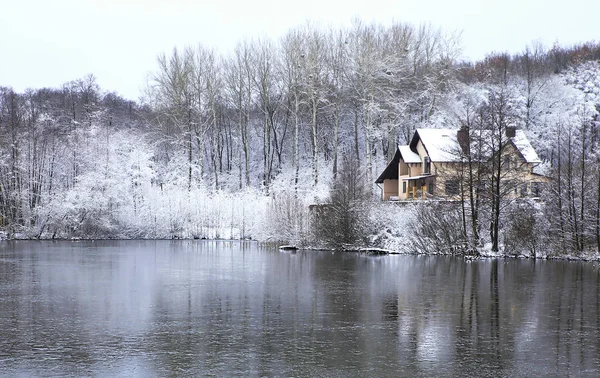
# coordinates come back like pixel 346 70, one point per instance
pixel 235 308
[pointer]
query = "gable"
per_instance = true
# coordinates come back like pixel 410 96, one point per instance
pixel 408 155
pixel 441 145
pixel 525 148
pixel 391 170
pixel 517 145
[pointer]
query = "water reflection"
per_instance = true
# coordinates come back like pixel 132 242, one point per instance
pixel 161 308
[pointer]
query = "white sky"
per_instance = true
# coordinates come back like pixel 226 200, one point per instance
pixel 45 43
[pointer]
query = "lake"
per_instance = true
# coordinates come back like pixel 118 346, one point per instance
pixel 232 308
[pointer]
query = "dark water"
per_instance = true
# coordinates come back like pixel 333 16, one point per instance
pixel 192 308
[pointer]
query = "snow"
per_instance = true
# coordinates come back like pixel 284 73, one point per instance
pixel 441 144
pixel 392 225
pixel 542 169
pixel 376 251
pixel 408 155
pixel 416 177
pixel 522 143
pixel 132 182
pixel 586 78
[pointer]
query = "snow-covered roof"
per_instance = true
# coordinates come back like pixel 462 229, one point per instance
pixel 408 155
pixel 441 144
pixel 416 177
pixel 522 143
pixel 391 170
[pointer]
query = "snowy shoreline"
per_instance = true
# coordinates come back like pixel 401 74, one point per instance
pixel 368 251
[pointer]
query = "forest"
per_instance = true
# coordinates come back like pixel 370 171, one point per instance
pixel 281 140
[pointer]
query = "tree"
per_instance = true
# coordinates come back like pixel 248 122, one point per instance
pixel 292 46
pixel 470 139
pixel 337 65
pixel 239 93
pixel 175 91
pixel 498 117
pixel 343 220
pixel 266 84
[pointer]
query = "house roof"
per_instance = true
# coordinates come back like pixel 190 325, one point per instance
pixel 416 177
pixel 408 155
pixel 441 144
pixel 522 144
pixel 391 170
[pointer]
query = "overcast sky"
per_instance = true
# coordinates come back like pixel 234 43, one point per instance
pixel 46 43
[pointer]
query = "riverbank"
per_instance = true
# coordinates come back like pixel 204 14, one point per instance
pixel 484 252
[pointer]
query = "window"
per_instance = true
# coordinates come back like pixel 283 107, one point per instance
pixel 482 187
pixel 524 190
pixel 426 165
pixel 430 188
pixel 451 187
pixel 403 186
pixel 536 188
pixel 507 162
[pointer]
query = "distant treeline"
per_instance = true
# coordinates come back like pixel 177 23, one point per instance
pixel 534 58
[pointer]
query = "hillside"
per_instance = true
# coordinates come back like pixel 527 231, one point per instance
pixel 240 146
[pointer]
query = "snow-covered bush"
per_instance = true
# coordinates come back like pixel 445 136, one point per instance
pixel 436 228
pixel 525 229
pixel 344 219
pixel 390 226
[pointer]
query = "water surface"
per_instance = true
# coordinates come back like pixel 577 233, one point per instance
pixel 173 308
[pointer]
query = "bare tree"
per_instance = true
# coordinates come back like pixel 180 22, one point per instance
pixel 238 76
pixel 337 65
pixel 470 139
pixel 313 76
pixel 174 90
pixel 343 221
pixel 498 116
pixel 293 55
pixel 266 84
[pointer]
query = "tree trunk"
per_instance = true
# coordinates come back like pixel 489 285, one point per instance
pixel 189 149
pixel 315 145
pixel 583 177
pixel 559 189
pixel 356 149
pixel 296 139
pixel 336 133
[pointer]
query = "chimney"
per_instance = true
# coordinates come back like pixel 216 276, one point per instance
pixel 511 131
pixel 462 135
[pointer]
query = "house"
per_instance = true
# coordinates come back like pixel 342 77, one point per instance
pixel 431 165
